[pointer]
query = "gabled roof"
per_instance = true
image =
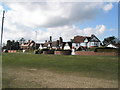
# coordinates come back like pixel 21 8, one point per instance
pixel 70 44
pixel 80 39
pixel 116 45
pixel 54 44
pixel 28 44
pixel 45 44
pixel 93 40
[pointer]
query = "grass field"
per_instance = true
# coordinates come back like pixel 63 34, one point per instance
pixel 101 67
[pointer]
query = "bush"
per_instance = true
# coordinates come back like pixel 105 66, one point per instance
pixel 62 50
pixel 91 49
pixel 36 51
pixel 53 50
pixel 106 49
pixel 41 51
pixel 48 52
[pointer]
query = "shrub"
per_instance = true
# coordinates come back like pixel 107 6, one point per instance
pixel 106 49
pixel 91 49
pixel 63 50
pixel 36 51
pixel 41 51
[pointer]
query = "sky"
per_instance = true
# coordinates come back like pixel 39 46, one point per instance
pixel 58 19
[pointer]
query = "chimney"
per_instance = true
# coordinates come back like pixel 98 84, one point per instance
pixel 45 41
pixel 28 41
pixel 61 40
pixel 50 38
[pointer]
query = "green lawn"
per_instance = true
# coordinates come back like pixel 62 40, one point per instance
pixel 105 67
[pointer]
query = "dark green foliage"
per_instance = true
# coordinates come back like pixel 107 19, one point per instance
pixel 12 45
pixel 22 40
pixel 91 49
pixel 110 40
pixel 36 51
pixel 41 51
pixel 62 50
pixel 106 49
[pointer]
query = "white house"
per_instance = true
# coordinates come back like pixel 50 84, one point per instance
pixel 112 46
pixel 67 45
pixel 86 42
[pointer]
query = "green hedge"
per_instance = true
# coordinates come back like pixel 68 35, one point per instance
pixel 63 50
pixel 106 49
pixel 91 49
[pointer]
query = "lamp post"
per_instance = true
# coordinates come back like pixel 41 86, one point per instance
pixel 36 40
pixel 2 28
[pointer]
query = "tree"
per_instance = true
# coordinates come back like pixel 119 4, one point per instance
pixel 12 45
pixel 22 40
pixel 17 45
pixel 110 40
pixel 9 44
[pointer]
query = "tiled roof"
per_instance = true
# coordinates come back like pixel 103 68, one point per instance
pixel 54 43
pixel 79 39
pixel 45 44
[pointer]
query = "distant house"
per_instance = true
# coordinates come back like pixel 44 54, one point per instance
pixel 37 45
pixel 76 43
pixel 113 45
pixel 68 45
pixel 87 42
pixel 28 45
pixel 58 44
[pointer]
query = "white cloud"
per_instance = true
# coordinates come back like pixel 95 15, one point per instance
pixel 108 7
pixel 52 14
pixel 67 32
pixel 57 18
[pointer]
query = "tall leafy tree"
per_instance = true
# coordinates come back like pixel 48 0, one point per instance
pixel 22 40
pixel 12 45
pixel 110 40
pixel 9 44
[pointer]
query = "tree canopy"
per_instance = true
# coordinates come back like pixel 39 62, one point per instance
pixel 110 40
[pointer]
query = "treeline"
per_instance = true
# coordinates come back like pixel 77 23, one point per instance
pixel 110 40
pixel 12 45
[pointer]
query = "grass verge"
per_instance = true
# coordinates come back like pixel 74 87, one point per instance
pixel 105 67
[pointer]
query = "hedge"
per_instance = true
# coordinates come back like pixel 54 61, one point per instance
pixel 106 49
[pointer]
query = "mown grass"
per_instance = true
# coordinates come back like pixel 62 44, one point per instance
pixel 105 67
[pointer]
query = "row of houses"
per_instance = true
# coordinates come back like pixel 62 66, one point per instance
pixel 78 42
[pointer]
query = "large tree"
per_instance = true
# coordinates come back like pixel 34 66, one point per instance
pixel 110 40
pixel 12 45
pixel 9 44
pixel 22 40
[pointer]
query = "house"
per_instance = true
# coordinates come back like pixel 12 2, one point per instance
pixel 43 45
pixel 58 44
pixel 28 45
pixel 67 45
pixel 37 45
pixel 113 45
pixel 86 42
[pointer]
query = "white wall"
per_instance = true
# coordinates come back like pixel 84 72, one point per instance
pixel 66 46
pixel 110 45
pixel 83 44
pixel 74 45
pixel 40 47
pixel 92 44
